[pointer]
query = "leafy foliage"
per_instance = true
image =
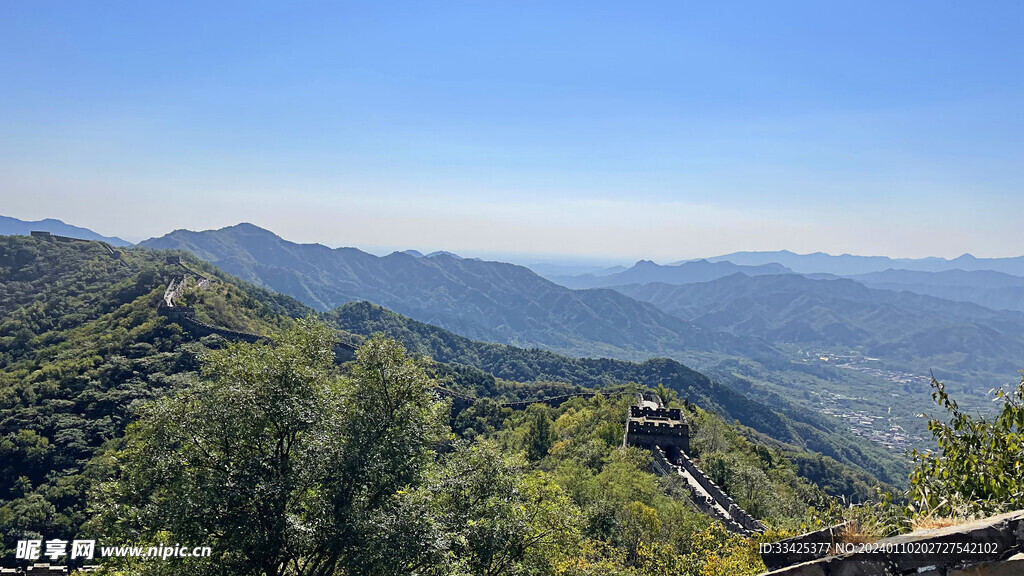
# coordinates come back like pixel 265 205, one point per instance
pixel 979 466
pixel 280 465
pixel 285 466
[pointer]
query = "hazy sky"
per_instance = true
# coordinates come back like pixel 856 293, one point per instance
pixel 617 129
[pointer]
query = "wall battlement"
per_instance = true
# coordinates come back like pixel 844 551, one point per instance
pixel 658 428
pixel 663 467
pixel 737 514
pixel 657 413
pixel 664 427
pixel 665 432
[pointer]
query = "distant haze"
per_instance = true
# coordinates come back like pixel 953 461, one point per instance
pixel 602 130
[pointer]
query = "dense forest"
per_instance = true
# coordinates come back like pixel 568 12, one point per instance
pixel 118 423
pixel 312 469
pixel 82 346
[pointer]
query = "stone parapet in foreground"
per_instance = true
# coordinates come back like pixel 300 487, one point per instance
pixel 989 547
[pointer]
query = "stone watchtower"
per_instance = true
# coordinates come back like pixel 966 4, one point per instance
pixel 649 426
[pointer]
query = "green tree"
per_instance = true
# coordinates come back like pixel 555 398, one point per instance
pixel 637 523
pixel 667 395
pixel 979 468
pixel 275 461
pixel 750 486
pixel 539 436
pixel 499 520
pixel 392 425
pixel 710 436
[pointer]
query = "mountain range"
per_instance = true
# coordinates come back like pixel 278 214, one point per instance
pixel 760 327
pixel 756 316
pixel 989 288
pixel 646 271
pixel 484 300
pixel 921 331
pixel 996 290
pixel 848 264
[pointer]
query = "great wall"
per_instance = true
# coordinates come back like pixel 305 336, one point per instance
pixel 48 237
pixel 185 316
pixel 666 433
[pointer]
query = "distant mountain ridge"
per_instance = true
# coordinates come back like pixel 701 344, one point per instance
pixel 646 271
pixel 15 227
pixel 848 264
pixel 901 326
pixel 551 271
pixel 490 301
pixel 965 278
pixel 989 288
pixel 996 290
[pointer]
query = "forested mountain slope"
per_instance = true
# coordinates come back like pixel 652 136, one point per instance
pixel 490 301
pixel 82 346
pixel 787 423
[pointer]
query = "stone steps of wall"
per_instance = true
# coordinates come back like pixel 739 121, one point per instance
pixel 737 514
pixel 732 516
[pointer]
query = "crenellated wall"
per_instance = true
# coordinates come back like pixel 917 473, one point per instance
pixel 649 427
pixel 663 467
pixel 665 432
pixel 739 515
pixel 657 413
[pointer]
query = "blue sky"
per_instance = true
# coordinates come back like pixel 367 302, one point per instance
pixel 592 129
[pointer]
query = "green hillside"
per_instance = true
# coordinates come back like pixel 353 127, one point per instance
pixel 83 347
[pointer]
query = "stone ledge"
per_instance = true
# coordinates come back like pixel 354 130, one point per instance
pixel 1004 533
